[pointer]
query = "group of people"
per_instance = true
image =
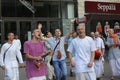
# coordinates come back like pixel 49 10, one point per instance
pixel 46 56
pixel 113 43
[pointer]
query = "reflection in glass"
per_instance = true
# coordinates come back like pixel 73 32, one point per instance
pixel 54 25
pixel 24 28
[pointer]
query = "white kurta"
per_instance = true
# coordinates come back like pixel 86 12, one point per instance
pixel 98 63
pixel 10 62
pixel 114 57
pixel 83 50
pixel 18 43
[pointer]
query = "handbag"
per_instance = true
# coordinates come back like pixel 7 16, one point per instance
pixel 38 62
pixel 58 55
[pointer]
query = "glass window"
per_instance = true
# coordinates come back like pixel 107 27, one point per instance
pixel 10 27
pixel 54 25
pixel 48 8
pixel 25 27
pixel 8 6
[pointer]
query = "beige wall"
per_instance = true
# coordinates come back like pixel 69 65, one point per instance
pixel 81 8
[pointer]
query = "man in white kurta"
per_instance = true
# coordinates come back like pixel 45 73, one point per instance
pixel 8 59
pixel 98 63
pixel 84 55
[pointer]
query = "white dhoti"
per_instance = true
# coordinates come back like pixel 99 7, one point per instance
pixel 115 66
pixel 86 76
pixel 98 67
pixel 11 73
pixel 38 78
pixel 50 68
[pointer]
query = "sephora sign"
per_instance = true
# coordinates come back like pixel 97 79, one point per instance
pixel 102 7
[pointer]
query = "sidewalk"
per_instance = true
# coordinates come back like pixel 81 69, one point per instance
pixel 106 76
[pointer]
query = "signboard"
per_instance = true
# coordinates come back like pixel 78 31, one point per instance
pixel 102 7
pixel 28 5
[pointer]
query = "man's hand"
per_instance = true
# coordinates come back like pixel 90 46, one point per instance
pixel 90 64
pixel 40 26
pixel 72 20
pixel 39 58
pixel 22 65
pixel 72 63
pixel 3 67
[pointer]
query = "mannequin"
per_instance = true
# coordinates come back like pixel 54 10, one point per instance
pixel 106 28
pixel 116 25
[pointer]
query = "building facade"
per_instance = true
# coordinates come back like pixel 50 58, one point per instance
pixel 22 16
pixel 99 11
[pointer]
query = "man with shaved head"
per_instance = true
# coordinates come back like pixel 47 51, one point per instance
pixel 10 57
pixel 84 55
pixel 92 34
pixel 98 62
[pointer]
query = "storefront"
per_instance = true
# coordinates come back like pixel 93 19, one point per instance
pixel 101 12
pixel 22 16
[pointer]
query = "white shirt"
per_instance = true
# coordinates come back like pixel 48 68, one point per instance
pixel 52 41
pixel 99 43
pixel 83 49
pixel 17 42
pixel 12 54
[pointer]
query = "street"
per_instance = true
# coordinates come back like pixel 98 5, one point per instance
pixel 106 76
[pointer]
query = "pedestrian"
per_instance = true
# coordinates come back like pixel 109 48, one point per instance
pixel 92 35
pixel 50 69
pixel 59 62
pixel 114 53
pixel 10 58
pixel 59 55
pixel 98 63
pixel 84 59
pixel 34 50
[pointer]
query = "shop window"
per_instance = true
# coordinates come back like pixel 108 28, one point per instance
pixel 10 27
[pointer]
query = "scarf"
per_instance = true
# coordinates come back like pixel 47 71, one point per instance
pixel 115 39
